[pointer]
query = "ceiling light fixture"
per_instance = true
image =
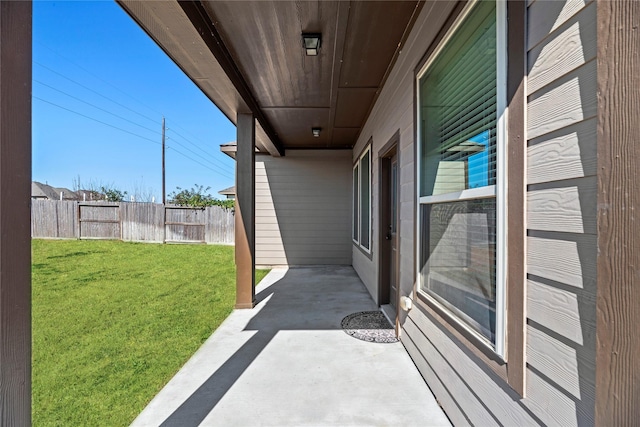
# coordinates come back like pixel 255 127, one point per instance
pixel 311 43
pixel 315 132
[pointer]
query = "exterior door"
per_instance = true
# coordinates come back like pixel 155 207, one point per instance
pixel 388 295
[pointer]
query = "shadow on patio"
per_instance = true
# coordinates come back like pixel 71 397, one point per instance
pixel 288 362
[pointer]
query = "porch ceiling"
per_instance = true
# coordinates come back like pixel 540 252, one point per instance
pixel 247 56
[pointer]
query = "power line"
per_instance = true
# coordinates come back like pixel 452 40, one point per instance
pixel 226 175
pixel 117 103
pixel 98 77
pixel 129 96
pixel 218 162
pixel 96 92
pixel 95 120
pixel 190 142
pixel 193 152
pixel 118 116
pixel 95 106
pixel 189 133
pixel 131 133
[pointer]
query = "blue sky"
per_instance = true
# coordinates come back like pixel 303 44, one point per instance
pixel 91 59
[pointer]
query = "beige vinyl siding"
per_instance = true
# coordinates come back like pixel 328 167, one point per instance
pixel 303 213
pixel 561 164
pixel 561 210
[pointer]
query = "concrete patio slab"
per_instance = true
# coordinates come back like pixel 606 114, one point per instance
pixel 287 362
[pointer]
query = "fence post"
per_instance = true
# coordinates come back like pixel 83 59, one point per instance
pixel 120 218
pixel 79 224
pixel 164 223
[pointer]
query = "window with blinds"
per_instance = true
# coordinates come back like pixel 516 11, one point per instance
pixel 361 232
pixel 458 108
pixel 458 171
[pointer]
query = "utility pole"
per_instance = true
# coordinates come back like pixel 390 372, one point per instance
pixel 164 193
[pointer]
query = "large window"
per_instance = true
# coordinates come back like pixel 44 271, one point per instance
pixel 362 201
pixel 461 104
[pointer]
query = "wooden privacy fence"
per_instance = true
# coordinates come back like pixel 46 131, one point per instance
pixel 134 222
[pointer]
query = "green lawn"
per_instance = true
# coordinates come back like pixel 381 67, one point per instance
pixel 113 321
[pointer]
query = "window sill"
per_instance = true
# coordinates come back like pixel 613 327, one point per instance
pixel 368 254
pixel 464 338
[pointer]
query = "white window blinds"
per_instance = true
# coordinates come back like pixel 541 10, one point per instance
pixel 458 108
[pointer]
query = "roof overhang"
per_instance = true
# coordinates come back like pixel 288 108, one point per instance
pixel 247 57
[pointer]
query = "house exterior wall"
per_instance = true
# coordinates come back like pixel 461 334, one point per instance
pixel 561 211
pixel 303 208
pixel 561 227
pixel 394 113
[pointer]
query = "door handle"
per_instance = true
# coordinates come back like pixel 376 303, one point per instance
pixel 388 236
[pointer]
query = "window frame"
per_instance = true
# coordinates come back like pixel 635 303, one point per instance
pixel 498 190
pixel 356 223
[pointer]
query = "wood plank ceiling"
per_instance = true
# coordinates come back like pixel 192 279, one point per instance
pixel 259 44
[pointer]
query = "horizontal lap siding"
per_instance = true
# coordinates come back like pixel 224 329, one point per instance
pixel 303 213
pixel 561 164
pixel 469 394
pixel 561 212
pixel 482 398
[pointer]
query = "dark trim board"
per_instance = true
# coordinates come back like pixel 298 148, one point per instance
pixel 516 195
pixel 15 213
pixel 618 175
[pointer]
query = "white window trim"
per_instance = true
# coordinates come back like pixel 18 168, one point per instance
pixel 499 191
pixel 501 175
pixel 471 193
pixel 357 227
pixel 355 216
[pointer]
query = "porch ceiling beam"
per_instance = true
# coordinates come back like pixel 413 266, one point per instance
pixel 15 213
pixel 203 24
pixel 342 19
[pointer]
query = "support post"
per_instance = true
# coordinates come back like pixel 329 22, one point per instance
pixel 245 212
pixel 15 213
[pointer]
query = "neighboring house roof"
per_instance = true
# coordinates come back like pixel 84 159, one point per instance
pixel 48 192
pixel 41 191
pixel 45 191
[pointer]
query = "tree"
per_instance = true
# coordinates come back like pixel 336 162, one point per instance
pixel 141 192
pixel 197 197
pixel 113 195
pixel 94 190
